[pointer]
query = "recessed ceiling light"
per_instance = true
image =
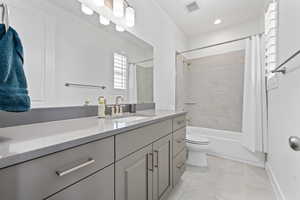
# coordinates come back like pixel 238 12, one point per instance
pixel 218 21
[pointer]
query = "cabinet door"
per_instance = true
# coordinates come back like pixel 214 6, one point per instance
pixel 179 166
pixel 162 176
pixel 99 186
pixel 134 176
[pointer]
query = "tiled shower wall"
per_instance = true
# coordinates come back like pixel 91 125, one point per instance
pixel 214 91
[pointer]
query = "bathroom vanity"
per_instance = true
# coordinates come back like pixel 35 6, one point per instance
pixel 100 159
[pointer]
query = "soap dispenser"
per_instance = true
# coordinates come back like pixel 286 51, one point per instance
pixel 101 107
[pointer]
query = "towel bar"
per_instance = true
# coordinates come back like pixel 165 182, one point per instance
pixel 85 85
pixel 283 70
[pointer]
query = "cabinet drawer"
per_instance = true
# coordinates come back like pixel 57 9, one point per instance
pixel 179 141
pixel 97 186
pixel 179 122
pixel 39 178
pixel 179 166
pixel 132 141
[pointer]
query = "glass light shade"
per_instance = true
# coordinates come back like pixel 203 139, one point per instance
pixel 103 20
pixel 120 28
pixel 86 10
pixel 217 21
pixel 99 3
pixel 118 8
pixel 130 17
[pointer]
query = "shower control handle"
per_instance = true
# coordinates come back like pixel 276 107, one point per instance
pixel 294 142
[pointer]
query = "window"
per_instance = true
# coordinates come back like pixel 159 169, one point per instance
pixel 271 38
pixel 120 71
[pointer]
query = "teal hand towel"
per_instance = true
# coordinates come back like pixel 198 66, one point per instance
pixel 13 85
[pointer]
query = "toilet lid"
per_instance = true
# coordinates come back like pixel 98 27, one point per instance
pixel 196 139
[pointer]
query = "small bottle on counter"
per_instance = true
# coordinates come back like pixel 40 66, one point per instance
pixel 101 107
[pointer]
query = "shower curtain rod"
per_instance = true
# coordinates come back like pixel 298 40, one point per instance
pixel 142 61
pixel 217 44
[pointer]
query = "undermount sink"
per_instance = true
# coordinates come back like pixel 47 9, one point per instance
pixel 130 119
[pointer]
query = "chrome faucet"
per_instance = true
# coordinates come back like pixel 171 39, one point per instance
pixel 119 109
pixel 118 98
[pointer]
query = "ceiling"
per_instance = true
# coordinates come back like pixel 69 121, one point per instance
pixel 231 12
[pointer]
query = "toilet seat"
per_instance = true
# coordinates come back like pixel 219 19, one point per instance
pixel 194 139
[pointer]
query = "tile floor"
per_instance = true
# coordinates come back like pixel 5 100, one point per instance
pixel 223 180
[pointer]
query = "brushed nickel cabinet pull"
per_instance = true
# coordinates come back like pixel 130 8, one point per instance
pixel 180 122
pixel 179 141
pixel 68 171
pixel 150 162
pixel 180 165
pixel 157 162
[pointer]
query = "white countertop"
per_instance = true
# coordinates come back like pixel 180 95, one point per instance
pixel 22 143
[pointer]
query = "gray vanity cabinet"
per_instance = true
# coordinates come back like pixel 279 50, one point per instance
pixel 179 166
pixel 133 176
pixel 139 164
pixel 179 148
pixel 162 162
pixel 99 186
pixel 147 173
pixel 147 162
pixel 42 177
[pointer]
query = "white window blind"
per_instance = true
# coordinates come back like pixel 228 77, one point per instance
pixel 271 37
pixel 120 71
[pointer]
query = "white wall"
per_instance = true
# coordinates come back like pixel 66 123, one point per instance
pixel 284 107
pixel 180 82
pixel 156 27
pixel 226 34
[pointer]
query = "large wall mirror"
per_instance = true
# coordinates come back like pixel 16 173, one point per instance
pixel 69 56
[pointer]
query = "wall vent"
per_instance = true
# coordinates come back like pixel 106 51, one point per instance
pixel 193 6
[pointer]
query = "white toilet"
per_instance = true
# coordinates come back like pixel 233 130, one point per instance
pixel 197 147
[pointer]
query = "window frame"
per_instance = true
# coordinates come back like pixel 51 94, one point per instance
pixel 123 71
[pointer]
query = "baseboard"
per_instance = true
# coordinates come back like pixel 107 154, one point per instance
pixel 249 162
pixel 275 185
pixel 227 144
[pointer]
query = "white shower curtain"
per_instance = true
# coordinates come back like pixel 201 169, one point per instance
pixel 254 127
pixel 132 84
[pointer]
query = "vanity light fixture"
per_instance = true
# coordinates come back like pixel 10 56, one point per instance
pixel 218 21
pixel 118 8
pixel 130 16
pixel 120 28
pixel 86 10
pixel 121 13
pixel 103 20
